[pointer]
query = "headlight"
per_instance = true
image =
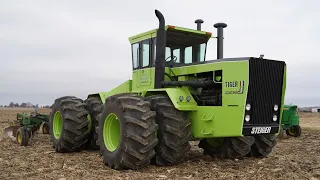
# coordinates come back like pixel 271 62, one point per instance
pixel 181 98
pixel 275 118
pixel 248 107
pixel 275 107
pixel 247 118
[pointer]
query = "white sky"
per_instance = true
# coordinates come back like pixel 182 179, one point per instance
pixel 54 48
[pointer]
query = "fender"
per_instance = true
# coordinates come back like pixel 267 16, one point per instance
pixel 180 97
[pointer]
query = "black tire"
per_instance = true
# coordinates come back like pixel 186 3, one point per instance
pixel 229 147
pixel 46 128
pixel 174 132
pixel 294 131
pixel 24 136
pixel 94 105
pixel 263 145
pixel 74 124
pixel 137 132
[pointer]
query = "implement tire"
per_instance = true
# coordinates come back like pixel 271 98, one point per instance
pixel 227 148
pixel 22 136
pixel 94 107
pixel 263 145
pixel 127 132
pixel 69 124
pixel 294 131
pixel 174 132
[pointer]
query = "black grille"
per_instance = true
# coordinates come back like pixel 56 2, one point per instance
pixel 265 90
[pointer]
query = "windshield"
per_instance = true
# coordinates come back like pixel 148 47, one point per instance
pixel 184 54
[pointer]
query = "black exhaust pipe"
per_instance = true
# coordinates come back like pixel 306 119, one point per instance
pixel 220 27
pixel 160 51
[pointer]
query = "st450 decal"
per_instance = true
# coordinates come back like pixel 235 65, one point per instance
pixel 260 130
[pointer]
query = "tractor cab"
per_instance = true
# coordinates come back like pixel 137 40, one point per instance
pixel 183 46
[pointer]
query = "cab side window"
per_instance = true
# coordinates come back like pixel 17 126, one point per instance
pixel 135 55
pixel 145 53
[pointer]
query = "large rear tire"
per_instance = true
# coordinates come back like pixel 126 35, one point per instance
pixel 263 145
pixel 94 107
pixel 174 131
pixel 227 148
pixel 127 132
pixel 69 124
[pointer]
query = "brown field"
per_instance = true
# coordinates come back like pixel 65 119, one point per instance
pixel 293 158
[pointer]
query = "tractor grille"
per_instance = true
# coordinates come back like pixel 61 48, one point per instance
pixel 265 90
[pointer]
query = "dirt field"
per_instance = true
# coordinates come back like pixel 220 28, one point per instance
pixel 293 158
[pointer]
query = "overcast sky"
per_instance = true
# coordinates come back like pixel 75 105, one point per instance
pixel 54 48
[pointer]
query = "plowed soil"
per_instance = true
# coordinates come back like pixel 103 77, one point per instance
pixel 293 158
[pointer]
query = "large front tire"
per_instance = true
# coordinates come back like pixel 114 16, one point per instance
pixel 69 124
pixel 127 132
pixel 227 148
pixel 174 131
pixel 263 145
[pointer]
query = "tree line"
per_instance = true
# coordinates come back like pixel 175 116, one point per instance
pixel 23 105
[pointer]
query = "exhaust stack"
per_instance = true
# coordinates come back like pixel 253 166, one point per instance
pixel 220 27
pixel 160 51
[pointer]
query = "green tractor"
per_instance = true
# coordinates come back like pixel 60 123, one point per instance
pixel 290 121
pixel 232 106
pixel 26 125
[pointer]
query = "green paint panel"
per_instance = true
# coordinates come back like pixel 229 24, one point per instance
pixel 125 87
pixel 290 116
pixel 209 122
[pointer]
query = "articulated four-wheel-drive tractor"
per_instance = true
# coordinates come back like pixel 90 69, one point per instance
pixel 232 106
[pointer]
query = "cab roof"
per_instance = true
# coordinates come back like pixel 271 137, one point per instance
pixel 153 33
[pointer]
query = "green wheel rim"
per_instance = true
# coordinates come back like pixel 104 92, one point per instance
pixel 215 141
pixel 90 122
pixel 111 132
pixel 57 124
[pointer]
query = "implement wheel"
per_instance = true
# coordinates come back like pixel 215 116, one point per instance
pixel 227 148
pixel 127 132
pixel 174 131
pixel 22 136
pixel 294 131
pixel 69 124
pixel 45 128
pixel 263 145
pixel 94 107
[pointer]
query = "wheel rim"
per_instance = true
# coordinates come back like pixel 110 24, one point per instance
pixel 215 141
pixel 90 122
pixel 45 128
pixel 292 131
pixel 19 137
pixel 57 124
pixel 111 132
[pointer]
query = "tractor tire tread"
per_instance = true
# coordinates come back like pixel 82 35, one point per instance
pixel 263 145
pixel 174 131
pixel 231 148
pixel 74 133
pixel 139 140
pixel 94 106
